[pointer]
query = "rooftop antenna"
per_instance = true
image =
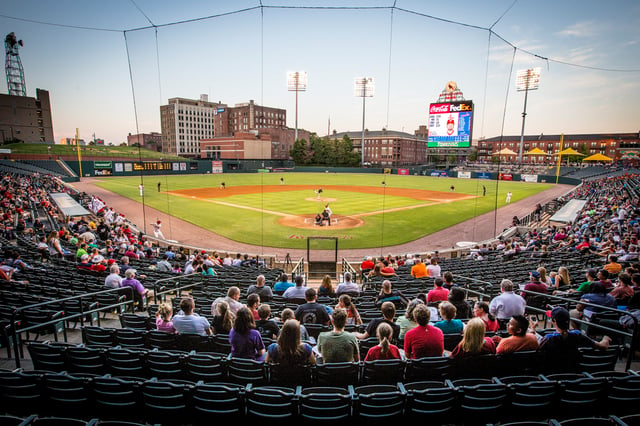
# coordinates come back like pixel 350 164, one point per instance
pixel 13 66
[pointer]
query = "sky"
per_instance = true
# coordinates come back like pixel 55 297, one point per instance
pixel 110 65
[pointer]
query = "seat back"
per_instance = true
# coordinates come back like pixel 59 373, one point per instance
pixel 271 403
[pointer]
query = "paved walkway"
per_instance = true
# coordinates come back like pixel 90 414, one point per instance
pixel 185 233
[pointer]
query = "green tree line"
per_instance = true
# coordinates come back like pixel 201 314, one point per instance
pixel 325 152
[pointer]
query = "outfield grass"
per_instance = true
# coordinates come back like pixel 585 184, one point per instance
pixel 386 228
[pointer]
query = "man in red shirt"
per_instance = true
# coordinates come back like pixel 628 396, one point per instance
pixel 424 339
pixel 439 293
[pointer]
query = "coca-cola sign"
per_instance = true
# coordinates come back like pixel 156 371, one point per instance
pixel 439 108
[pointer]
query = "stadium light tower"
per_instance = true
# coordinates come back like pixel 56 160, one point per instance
pixel 13 66
pixel 363 89
pixel 297 82
pixel 526 80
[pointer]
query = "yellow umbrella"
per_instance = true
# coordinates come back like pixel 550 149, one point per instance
pixel 505 151
pixel 535 151
pixel 568 151
pixel 597 157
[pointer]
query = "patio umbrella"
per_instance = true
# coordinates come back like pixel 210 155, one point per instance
pixel 505 151
pixel 568 151
pixel 535 151
pixel 597 157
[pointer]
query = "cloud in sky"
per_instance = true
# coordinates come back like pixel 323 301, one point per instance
pixel 580 29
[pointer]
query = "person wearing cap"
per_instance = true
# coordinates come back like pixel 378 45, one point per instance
pixel 534 284
pixel 138 289
pixel 157 231
pixel 561 347
pixel 84 263
pixel 591 277
pixel 98 263
pixel 507 304
pixel 597 295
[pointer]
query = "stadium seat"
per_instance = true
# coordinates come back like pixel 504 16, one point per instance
pixel 432 402
pixel 319 405
pixel 271 404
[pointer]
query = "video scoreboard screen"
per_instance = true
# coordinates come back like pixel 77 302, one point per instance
pixel 450 124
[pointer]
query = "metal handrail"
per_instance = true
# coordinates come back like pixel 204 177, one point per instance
pixel 15 331
pixel 298 269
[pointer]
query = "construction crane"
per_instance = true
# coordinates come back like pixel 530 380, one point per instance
pixel 13 66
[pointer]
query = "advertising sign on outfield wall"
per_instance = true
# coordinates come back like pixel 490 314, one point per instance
pixel 403 171
pixel 529 178
pixel 216 167
pixel 464 175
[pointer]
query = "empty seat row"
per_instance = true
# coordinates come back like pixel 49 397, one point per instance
pixel 446 401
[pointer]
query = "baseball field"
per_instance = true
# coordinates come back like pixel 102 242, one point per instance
pixel 279 209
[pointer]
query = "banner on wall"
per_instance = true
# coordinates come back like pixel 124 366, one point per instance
pixel 403 171
pixel 216 167
pixel 483 175
pixel 464 175
pixel 118 167
pixel 529 178
pixel 439 173
pixel 505 176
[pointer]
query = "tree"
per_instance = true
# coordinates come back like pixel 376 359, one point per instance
pixel 299 152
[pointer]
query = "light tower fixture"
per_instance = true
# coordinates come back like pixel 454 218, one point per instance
pixel 364 89
pixel 296 82
pixel 526 80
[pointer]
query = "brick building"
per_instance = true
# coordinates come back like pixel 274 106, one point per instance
pixel 388 148
pixel 612 145
pixel 25 118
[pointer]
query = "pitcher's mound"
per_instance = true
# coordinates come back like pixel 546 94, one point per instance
pixel 307 222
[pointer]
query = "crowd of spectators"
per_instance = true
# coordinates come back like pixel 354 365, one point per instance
pixel 104 243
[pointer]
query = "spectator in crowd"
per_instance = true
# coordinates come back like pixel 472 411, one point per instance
pixel 562 281
pixel 481 310
pixel 288 313
pixel 353 317
pixel 457 299
pixel 113 280
pixel 507 304
pixel 253 302
pixel 164 318
pixel 338 345
pixel 388 294
pixel 433 269
pixel 282 284
pixel 232 297
pixel 449 325
pixel 438 293
pixel 406 322
pixel 613 267
pixel 366 266
pixel 423 340
pixel 597 295
pixel 312 312
pixel 326 287
pixel 245 340
pixel 385 349
pixel 139 292
pixel 522 337
pixel 348 286
pixel 261 289
pixel 448 280
pixel 223 318
pixel 623 292
pixel 297 291
pixel 267 327
pixel 585 287
pixel 289 350
pixel 388 310
pixel 188 322
pixel 561 347
pixel 419 270
pixel 474 341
